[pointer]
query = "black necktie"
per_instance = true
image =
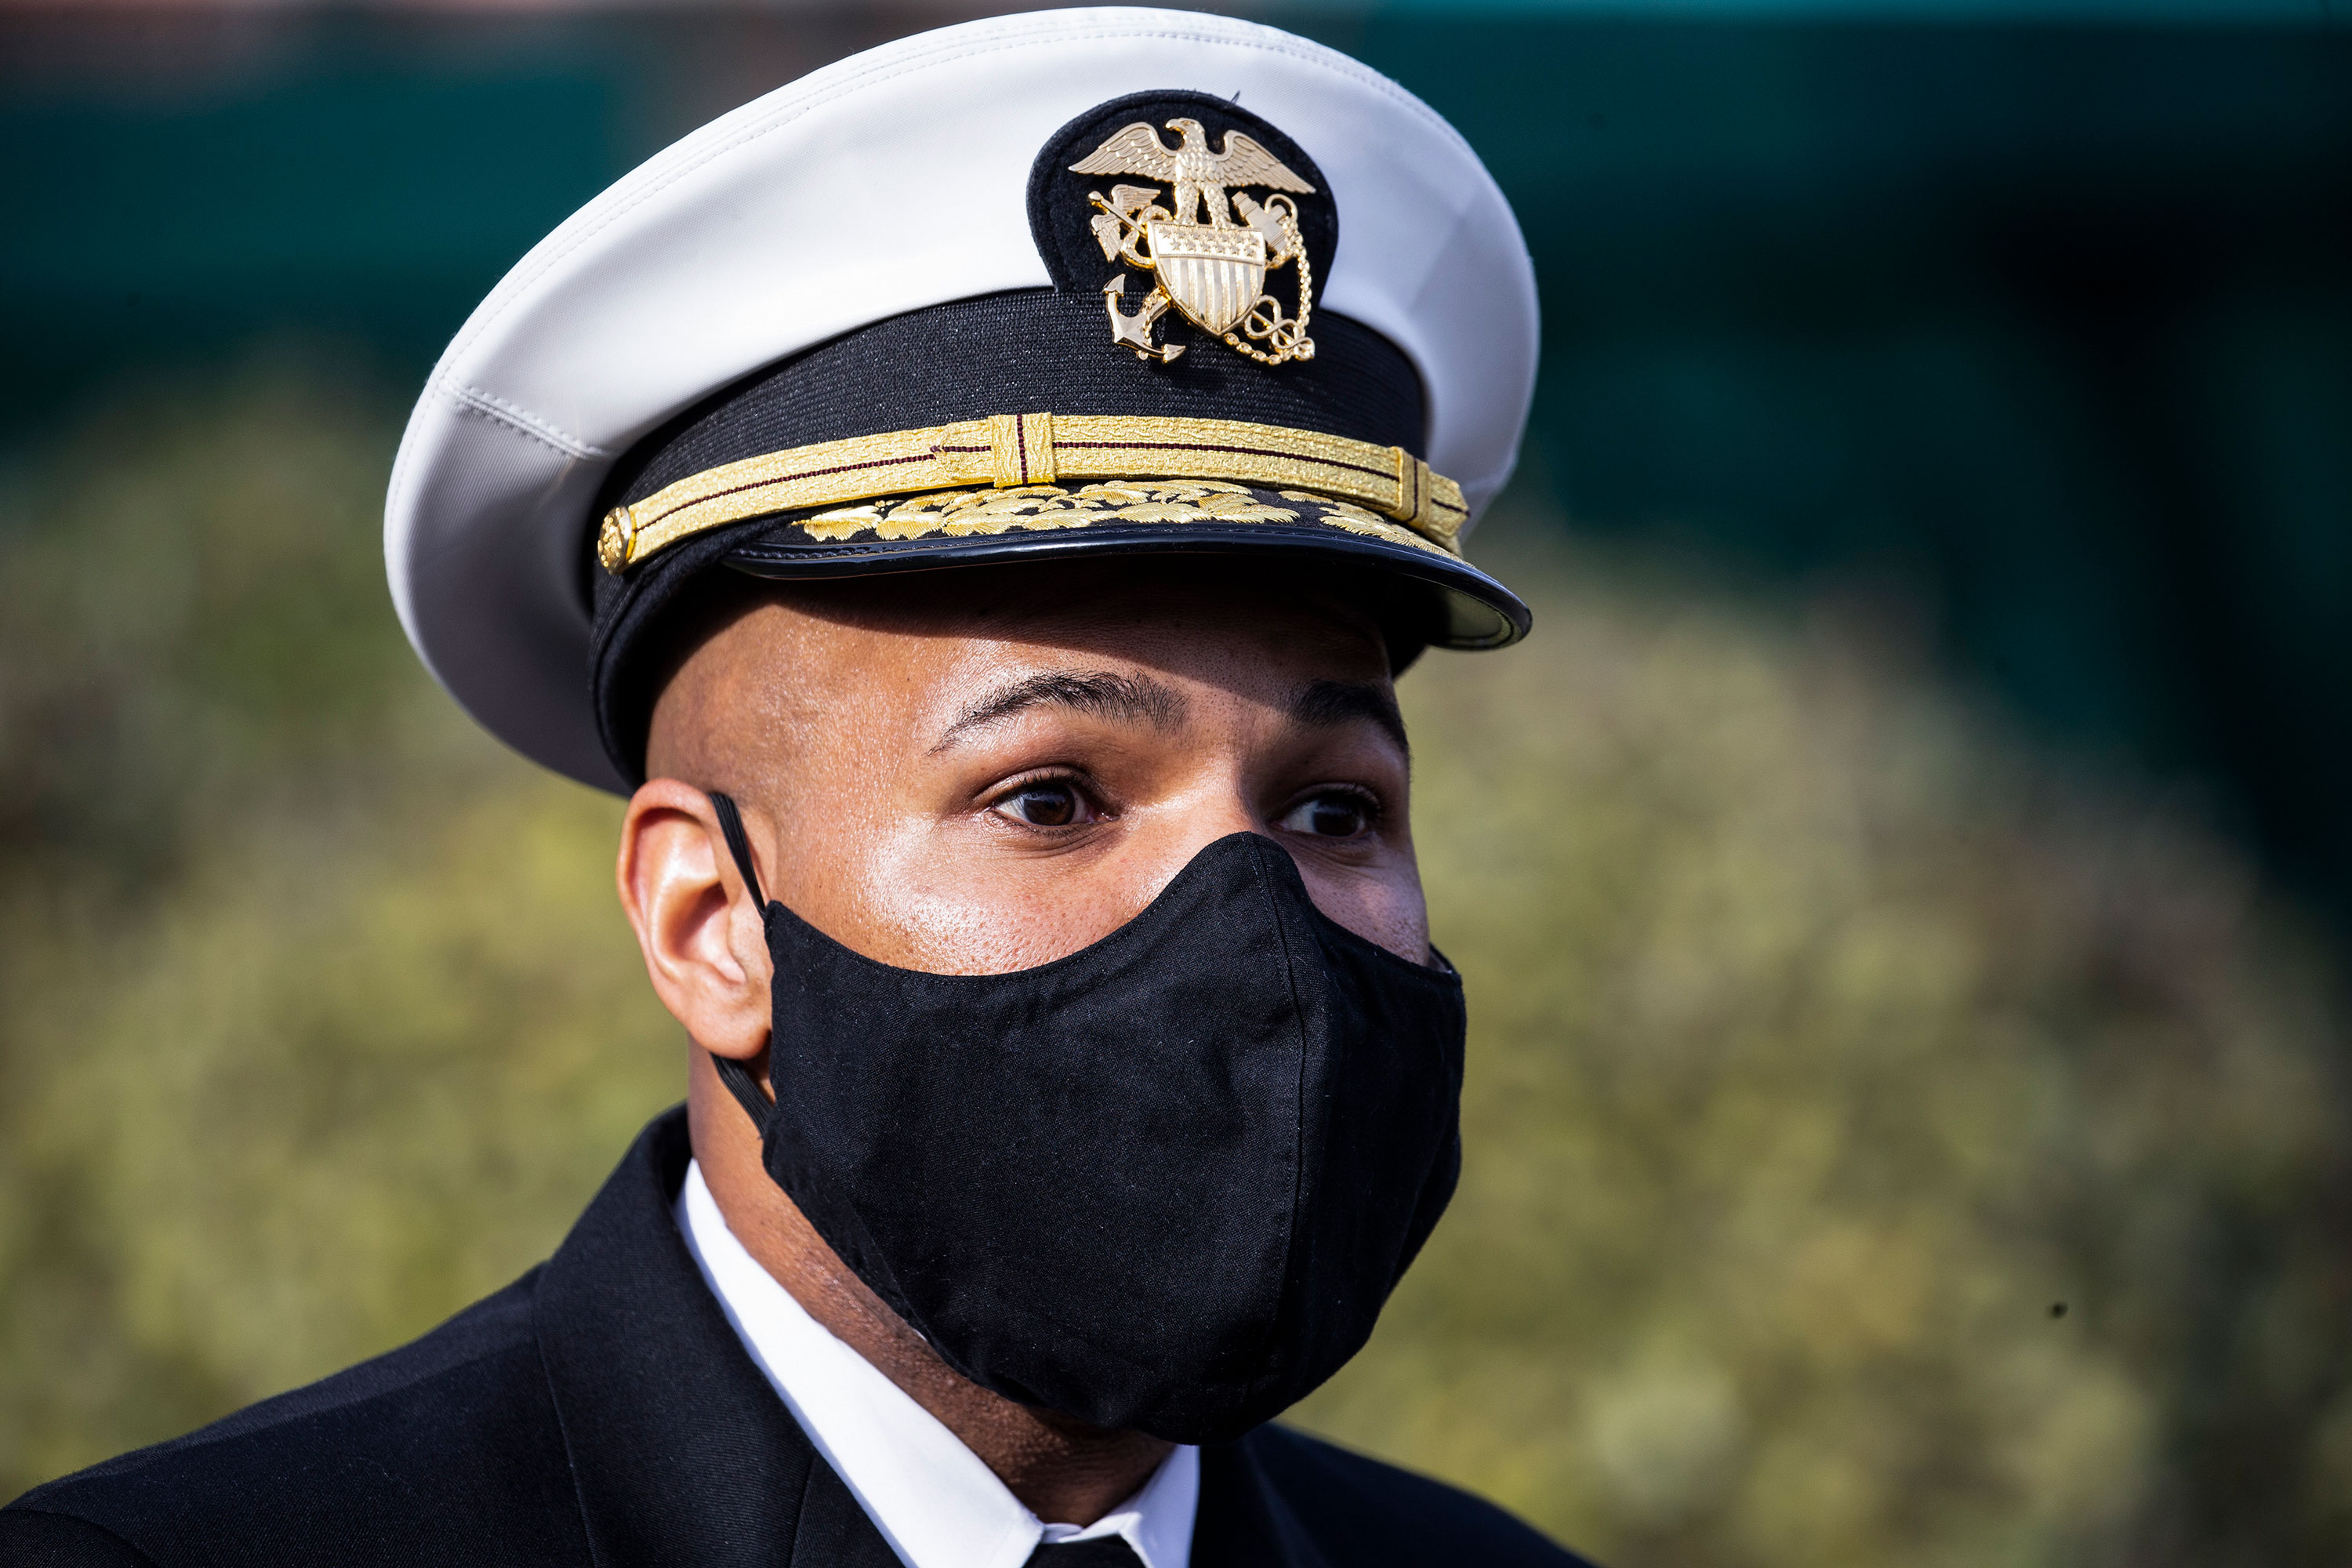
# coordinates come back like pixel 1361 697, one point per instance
pixel 1102 1552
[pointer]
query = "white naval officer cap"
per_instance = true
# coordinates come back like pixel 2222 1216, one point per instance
pixel 1068 283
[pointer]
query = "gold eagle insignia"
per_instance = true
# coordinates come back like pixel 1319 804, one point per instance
pixel 1214 272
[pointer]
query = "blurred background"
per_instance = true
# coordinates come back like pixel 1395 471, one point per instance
pixel 1903 885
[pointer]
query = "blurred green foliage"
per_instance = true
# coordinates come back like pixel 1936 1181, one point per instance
pixel 1824 1040
pixel 1882 1146
pixel 319 1016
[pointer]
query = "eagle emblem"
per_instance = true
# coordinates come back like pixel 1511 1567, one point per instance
pixel 1212 272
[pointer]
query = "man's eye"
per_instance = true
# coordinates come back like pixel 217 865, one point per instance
pixel 1048 805
pixel 1335 814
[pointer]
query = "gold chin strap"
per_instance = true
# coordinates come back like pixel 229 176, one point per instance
pixel 1008 450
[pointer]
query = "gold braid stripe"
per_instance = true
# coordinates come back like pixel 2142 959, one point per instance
pixel 1011 449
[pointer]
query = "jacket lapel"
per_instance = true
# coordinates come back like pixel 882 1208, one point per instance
pixel 1244 1521
pixel 681 1452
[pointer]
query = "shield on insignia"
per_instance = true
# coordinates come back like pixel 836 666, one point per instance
pixel 1213 275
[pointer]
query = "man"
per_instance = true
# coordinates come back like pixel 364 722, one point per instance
pixel 990 505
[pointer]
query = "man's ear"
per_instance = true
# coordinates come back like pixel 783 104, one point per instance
pixel 699 926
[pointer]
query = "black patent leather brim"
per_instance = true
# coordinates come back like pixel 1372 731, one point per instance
pixel 1453 604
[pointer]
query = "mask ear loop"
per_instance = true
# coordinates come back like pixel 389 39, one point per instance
pixel 732 1073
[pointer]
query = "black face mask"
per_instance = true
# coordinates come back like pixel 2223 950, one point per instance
pixel 1166 1182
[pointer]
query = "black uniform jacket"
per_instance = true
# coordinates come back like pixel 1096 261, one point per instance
pixel 601 1411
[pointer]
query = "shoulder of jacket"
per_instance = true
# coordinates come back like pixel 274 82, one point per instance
pixel 386 1428
pixel 1360 1509
pixel 30 1536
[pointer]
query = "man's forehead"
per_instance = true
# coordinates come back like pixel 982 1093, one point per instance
pixel 1167 614
pixel 943 669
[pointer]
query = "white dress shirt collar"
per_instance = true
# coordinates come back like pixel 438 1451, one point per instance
pixel 933 1500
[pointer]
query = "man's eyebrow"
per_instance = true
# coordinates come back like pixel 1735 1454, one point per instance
pixel 1324 703
pixel 1099 694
